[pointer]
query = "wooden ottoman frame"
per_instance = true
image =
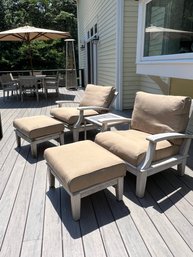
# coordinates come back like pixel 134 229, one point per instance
pixel 75 198
pixel 34 141
pixel 75 185
pixel 39 139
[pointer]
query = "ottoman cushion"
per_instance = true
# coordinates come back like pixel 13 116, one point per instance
pixel 83 164
pixel 38 126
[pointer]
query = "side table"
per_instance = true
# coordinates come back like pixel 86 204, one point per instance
pixel 105 121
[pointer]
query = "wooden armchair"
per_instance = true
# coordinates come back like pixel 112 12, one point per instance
pixel 97 99
pixel 9 85
pixel 28 83
pixel 52 83
pixel 157 138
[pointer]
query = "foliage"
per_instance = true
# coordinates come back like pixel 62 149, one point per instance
pixel 48 14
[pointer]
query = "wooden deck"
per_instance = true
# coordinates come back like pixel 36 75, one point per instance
pixel 37 222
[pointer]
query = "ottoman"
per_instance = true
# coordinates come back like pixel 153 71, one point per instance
pixel 84 168
pixel 38 129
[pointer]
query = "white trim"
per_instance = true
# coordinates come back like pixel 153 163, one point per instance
pixel 176 65
pixel 119 53
pixel 140 33
pixel 167 69
pixel 78 25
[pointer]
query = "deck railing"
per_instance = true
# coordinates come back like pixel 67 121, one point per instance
pixel 49 72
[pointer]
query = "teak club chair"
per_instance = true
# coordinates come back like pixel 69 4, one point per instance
pixel 157 138
pixel 96 100
pixel 28 83
pixel 8 84
pixel 52 83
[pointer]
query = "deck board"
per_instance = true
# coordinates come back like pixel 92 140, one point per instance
pixel 71 232
pixel 165 228
pixel 173 213
pixel 151 236
pixel 108 228
pixel 130 234
pixel 36 221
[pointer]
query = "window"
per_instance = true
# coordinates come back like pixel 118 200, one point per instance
pixel 165 38
pixel 168 27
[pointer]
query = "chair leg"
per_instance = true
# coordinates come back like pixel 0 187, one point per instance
pixel 75 206
pixel 37 95
pixel 141 184
pixel 46 93
pixel 181 167
pixel 119 189
pixel 34 149
pixel 62 139
pixel 3 95
pixel 51 178
pixel 18 139
pixel 17 94
pixel 21 95
pixel 75 135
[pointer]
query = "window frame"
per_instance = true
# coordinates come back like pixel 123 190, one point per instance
pixel 159 64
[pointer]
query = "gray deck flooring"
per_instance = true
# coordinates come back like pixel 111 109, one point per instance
pixel 37 222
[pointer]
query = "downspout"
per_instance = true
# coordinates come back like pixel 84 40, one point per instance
pixel 119 53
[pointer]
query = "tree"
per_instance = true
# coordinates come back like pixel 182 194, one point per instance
pixel 50 14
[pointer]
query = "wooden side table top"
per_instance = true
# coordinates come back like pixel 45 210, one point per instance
pixel 100 119
pixel 106 120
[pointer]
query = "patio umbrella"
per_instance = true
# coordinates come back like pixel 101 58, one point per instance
pixel 28 34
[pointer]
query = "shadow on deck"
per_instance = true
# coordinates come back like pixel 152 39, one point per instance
pixel 36 221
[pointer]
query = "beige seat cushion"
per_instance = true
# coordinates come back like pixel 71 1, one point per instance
pixel 131 145
pixel 38 126
pixel 70 115
pixel 83 164
pixel 98 96
pixel 160 113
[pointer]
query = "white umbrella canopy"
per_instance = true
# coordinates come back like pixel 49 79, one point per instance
pixel 29 33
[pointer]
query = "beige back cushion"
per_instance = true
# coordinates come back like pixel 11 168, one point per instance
pixel 96 95
pixel 160 113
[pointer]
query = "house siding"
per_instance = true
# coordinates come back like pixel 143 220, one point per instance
pixel 148 85
pixel 131 81
pixel 102 12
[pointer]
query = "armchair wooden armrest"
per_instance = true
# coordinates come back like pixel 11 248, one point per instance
pixel 83 108
pixel 167 136
pixel 154 139
pixel 96 108
pixel 61 102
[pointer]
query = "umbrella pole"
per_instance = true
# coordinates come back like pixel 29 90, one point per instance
pixel 30 57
